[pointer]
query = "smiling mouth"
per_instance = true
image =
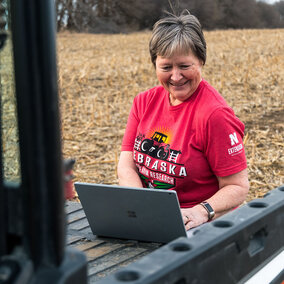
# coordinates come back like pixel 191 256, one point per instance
pixel 179 85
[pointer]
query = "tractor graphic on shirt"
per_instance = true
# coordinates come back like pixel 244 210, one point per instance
pixel 156 146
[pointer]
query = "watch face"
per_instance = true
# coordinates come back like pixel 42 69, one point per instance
pixel 209 209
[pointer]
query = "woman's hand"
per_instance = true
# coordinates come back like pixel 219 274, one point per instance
pixel 193 217
pixel 232 192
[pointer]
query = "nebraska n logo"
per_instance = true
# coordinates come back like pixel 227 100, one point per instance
pixel 234 139
pixel 235 149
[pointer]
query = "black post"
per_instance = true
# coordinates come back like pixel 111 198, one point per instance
pixel 42 258
pixel 39 133
pixel 32 219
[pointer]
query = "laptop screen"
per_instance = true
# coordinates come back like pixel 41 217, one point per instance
pixel 132 213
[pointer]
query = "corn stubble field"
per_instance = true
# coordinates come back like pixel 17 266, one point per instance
pixel 99 75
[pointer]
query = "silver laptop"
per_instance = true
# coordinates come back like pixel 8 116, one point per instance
pixel 132 213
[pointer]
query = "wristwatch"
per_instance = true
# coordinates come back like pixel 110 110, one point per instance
pixel 209 209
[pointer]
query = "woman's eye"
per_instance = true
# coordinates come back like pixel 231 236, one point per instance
pixel 166 68
pixel 185 66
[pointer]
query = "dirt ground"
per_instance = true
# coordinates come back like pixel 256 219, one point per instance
pixel 99 75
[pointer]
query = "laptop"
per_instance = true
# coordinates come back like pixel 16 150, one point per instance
pixel 151 215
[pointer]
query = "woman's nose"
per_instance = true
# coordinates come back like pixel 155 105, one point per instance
pixel 176 74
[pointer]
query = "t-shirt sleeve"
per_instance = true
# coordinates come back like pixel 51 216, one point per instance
pixel 131 128
pixel 224 143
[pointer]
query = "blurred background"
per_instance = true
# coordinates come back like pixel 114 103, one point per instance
pixel 115 16
pixel 104 62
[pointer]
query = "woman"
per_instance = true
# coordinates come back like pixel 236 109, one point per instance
pixel 182 135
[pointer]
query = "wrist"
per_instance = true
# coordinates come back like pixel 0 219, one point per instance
pixel 208 209
pixel 203 211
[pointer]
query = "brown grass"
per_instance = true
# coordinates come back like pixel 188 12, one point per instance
pixel 99 75
pixel 11 159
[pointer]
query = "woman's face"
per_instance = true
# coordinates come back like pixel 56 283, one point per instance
pixel 180 75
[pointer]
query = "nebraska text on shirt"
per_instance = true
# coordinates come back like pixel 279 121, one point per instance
pixel 154 164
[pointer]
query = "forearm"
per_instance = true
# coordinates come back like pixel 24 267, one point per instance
pixel 129 177
pixel 232 193
pixel 227 198
pixel 127 171
pixel 222 202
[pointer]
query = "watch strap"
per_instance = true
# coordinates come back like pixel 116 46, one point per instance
pixel 209 209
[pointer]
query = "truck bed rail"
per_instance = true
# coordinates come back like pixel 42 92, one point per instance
pixel 230 249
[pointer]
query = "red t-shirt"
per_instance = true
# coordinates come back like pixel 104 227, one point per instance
pixel 184 147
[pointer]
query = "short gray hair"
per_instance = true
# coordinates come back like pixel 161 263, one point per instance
pixel 177 34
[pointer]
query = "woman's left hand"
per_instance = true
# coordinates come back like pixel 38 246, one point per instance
pixel 193 217
pixel 232 192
